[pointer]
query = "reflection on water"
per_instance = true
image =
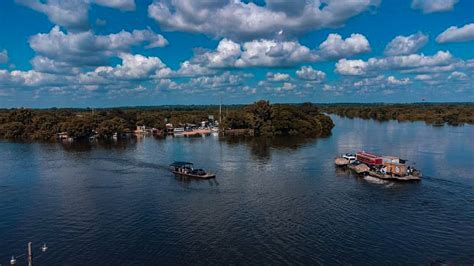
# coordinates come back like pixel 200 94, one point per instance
pixel 274 201
pixel 261 146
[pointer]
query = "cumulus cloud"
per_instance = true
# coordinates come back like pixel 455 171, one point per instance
pixel 455 34
pixel 189 69
pixel 286 86
pixel 276 53
pixel 134 67
pixel 3 56
pixel 411 63
pixel 277 77
pixel 382 82
pixel 87 49
pixel 225 81
pixel 29 78
pixel 308 73
pixel 404 45
pixel 272 53
pixel 394 81
pixel 335 47
pixel 225 55
pixel 456 75
pixel 431 6
pixel 351 67
pixel 73 14
pixel 124 5
pixel 47 65
pixel 238 20
pixel 424 77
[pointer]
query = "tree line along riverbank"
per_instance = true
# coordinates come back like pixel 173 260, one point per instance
pixel 263 118
pixel 432 113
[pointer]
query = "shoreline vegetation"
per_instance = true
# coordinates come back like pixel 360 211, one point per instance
pixel 260 118
pixel 436 114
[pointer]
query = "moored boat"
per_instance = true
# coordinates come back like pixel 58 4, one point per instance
pixel 186 169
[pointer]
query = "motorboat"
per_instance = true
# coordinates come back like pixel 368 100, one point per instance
pixel 186 169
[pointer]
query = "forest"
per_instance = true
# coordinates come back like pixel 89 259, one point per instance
pixel 453 114
pixel 263 118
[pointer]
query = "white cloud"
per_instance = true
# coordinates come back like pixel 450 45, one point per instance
pixel 87 49
pixel 424 77
pixel 219 82
pixel 249 90
pixel 287 86
pixel 351 67
pixel 328 87
pixel 394 81
pixel 271 53
pixel 456 75
pixel 73 14
pixel 441 61
pixel 227 52
pixel 431 6
pixel 124 5
pixel 368 82
pixel 381 82
pixel 455 34
pixel 277 77
pixel 238 20
pixel 134 67
pixel 29 78
pixel 276 53
pixel 3 56
pixel 334 47
pixel 308 73
pixel 404 45
pixel 188 69
pixel 47 65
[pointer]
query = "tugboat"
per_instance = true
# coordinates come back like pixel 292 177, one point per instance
pixel 186 169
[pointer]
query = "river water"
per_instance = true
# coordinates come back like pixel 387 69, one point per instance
pixel 274 201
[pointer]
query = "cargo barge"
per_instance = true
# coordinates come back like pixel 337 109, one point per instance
pixel 383 167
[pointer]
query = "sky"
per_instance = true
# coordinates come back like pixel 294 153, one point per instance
pixel 106 53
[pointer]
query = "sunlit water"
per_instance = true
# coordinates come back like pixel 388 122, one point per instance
pixel 273 202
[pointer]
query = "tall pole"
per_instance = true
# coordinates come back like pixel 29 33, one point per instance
pixel 30 254
pixel 220 111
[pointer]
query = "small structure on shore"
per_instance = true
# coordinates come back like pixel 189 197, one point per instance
pixel 383 167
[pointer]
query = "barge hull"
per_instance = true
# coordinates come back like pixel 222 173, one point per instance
pixel 394 177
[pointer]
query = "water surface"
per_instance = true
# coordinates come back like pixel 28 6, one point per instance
pixel 274 201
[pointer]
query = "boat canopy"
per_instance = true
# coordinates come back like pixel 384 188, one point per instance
pixel 180 164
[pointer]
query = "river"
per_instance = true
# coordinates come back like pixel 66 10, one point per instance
pixel 274 201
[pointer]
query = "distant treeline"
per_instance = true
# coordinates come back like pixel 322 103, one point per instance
pixel 431 113
pixel 265 120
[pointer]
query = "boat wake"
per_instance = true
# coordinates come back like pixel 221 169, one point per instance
pixel 374 180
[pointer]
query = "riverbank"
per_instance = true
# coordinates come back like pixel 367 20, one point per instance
pixel 260 118
pixel 436 114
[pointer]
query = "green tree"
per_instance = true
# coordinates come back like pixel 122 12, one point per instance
pixel 108 128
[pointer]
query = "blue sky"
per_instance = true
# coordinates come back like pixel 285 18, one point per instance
pixel 102 53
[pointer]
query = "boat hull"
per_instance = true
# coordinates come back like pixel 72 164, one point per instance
pixel 394 177
pixel 206 176
pixel 339 161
